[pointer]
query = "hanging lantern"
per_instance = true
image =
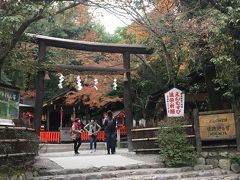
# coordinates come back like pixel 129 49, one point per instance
pixel 125 77
pixel 86 79
pixel 95 83
pixel 79 83
pixel 115 84
pixel 46 76
pixel 61 79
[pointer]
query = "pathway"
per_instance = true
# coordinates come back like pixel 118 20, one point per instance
pixel 123 165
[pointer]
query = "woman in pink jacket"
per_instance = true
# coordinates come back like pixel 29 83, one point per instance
pixel 76 135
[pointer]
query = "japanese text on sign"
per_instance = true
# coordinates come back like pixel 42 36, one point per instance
pixel 217 126
pixel 174 103
pixel 9 103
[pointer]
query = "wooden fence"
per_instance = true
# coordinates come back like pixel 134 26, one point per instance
pixel 144 139
pixel 211 130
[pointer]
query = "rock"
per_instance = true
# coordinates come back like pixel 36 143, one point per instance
pixel 21 177
pixel 204 154
pixel 225 164
pixel 213 162
pixel 201 161
pixel 223 154
pixel 235 167
pixel 156 165
pixel 212 154
pixel 205 173
pixel 108 168
pixel 15 177
pixel 203 167
pixel 35 173
pixel 29 175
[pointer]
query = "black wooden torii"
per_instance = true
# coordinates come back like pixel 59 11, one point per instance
pixel 126 50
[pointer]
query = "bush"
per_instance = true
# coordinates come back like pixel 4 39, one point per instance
pixel 175 148
pixel 236 159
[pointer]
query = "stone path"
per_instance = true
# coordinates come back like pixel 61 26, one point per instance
pixel 123 165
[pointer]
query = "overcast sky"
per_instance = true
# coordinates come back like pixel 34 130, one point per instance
pixel 110 21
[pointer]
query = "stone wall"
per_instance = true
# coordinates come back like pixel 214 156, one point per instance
pixel 18 146
pixel 221 160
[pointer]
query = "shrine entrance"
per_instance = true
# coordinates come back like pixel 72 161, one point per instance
pixel 126 50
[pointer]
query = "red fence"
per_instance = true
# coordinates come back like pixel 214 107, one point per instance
pixel 50 137
pixel 55 136
pixel 100 136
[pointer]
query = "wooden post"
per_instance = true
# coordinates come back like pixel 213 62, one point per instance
pixel 40 89
pixel 48 118
pixel 118 138
pixel 197 131
pixel 128 100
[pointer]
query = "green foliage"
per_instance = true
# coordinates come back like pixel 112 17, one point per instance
pixel 8 172
pixel 146 84
pixel 236 159
pixel 174 147
pixel 114 93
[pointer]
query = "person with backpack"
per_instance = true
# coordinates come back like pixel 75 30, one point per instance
pixel 110 129
pixel 76 130
pixel 92 128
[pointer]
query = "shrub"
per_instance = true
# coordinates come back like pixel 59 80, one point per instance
pixel 175 148
pixel 235 159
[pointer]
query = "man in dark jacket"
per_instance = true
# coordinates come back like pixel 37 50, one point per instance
pixel 110 129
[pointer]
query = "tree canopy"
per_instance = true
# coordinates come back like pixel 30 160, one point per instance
pixel 196 44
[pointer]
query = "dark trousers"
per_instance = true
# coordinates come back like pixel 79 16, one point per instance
pixel 77 144
pixel 93 141
pixel 110 138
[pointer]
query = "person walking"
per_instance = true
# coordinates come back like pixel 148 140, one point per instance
pixel 110 128
pixel 76 135
pixel 92 128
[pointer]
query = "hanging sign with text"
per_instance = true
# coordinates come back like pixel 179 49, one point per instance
pixel 175 103
pixel 217 126
pixel 9 103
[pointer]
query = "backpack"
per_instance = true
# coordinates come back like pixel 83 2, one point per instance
pixel 110 126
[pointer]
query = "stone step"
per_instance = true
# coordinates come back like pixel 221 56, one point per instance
pixel 162 177
pixel 176 175
pixel 102 169
pixel 119 172
pixel 229 176
pixel 135 174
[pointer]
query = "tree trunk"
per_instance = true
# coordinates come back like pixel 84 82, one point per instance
pixel 215 101
pixel 128 101
pixel 214 97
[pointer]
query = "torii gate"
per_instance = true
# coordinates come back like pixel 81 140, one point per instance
pixel 126 50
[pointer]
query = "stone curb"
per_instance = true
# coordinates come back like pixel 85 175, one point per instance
pixel 96 169
pixel 128 167
pixel 161 173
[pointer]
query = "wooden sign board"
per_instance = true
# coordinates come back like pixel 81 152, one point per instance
pixel 6 122
pixel 217 126
pixel 65 134
pixel 9 102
